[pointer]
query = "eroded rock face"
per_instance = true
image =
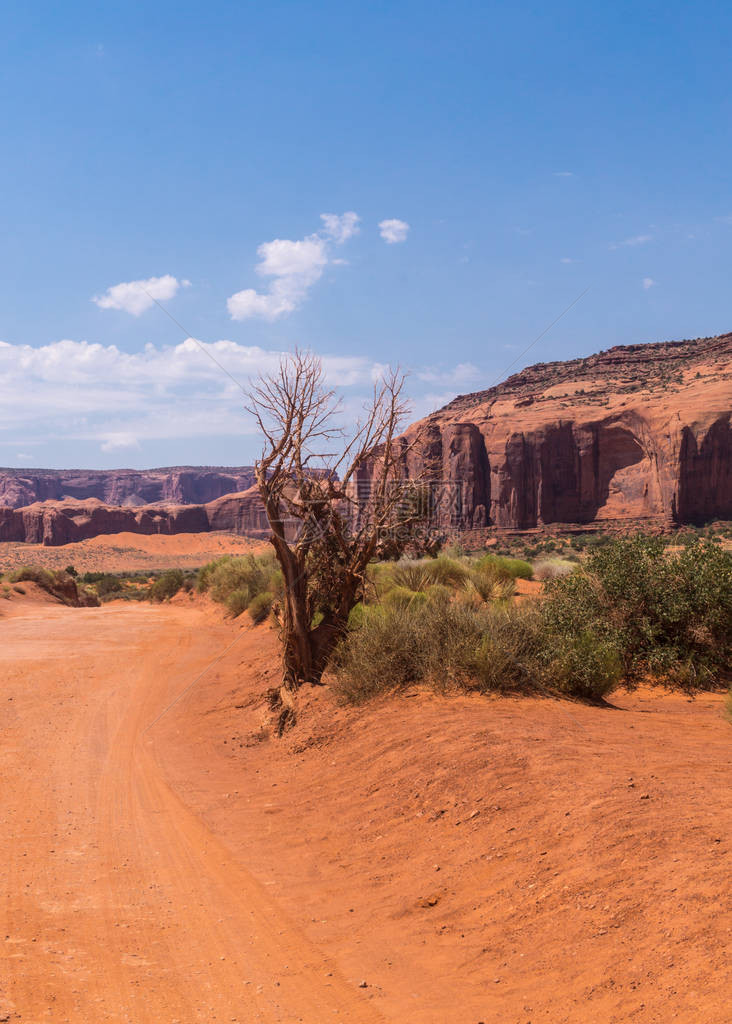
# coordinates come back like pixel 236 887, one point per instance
pixel 638 433
pixel 179 485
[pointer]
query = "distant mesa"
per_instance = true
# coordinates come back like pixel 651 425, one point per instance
pixel 638 435
pixel 180 485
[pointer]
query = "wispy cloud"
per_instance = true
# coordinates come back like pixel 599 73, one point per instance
pixel 564 174
pixel 293 267
pixel 632 241
pixel 648 282
pixel 393 231
pixel 136 297
pixel 80 391
pixel 568 259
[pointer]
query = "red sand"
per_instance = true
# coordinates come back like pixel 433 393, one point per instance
pixel 469 859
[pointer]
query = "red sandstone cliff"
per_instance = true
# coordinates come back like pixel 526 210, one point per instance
pixel 640 432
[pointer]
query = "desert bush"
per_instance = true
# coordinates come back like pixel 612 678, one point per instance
pixel 411 575
pixel 260 607
pixel 107 585
pixel 33 574
pixel 384 653
pixel 237 602
pixel 167 585
pixel 668 615
pixel 443 645
pixel 250 574
pixel 551 568
pixel 446 571
pixel 506 657
pixel 401 597
pixel 438 594
pixel 71 571
pixel 489 586
pixel 504 568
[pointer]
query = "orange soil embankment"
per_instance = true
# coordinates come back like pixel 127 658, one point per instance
pixel 469 859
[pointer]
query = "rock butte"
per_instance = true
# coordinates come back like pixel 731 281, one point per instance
pixel 639 434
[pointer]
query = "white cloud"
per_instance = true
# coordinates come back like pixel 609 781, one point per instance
pixel 24 456
pixel 564 174
pixel 634 240
pixel 136 297
pixel 568 259
pixel 648 282
pixel 294 266
pixel 116 440
pixel 393 230
pixel 458 376
pixel 77 391
pixel 340 228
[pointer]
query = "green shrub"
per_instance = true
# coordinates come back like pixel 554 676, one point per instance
pixel 667 615
pixel 260 607
pixel 438 594
pixel 237 602
pixel 107 585
pixel 489 587
pixel 167 585
pixel 401 597
pixel 586 664
pixel 506 657
pixel 356 616
pixel 411 576
pixel 504 568
pixel 71 571
pixel 446 571
pixel 33 574
pixel 223 576
pixel 383 654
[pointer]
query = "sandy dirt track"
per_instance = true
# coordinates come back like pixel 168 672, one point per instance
pixel 472 860
pixel 121 905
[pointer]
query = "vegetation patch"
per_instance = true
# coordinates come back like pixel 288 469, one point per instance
pixel 634 610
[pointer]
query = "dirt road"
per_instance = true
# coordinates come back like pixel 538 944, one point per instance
pixel 467 859
pixel 119 904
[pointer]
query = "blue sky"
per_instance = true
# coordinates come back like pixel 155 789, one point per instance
pixel 514 154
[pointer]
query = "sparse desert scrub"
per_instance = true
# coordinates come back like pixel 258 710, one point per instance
pixel 504 568
pixel 552 568
pixel 167 585
pixel 260 607
pixel 668 615
pixel 442 645
pixel 250 574
pixel 478 646
pixel 634 611
pixel 251 583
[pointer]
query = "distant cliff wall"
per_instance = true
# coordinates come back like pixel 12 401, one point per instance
pixel 180 485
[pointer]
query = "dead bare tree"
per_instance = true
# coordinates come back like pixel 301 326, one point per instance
pixel 334 502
